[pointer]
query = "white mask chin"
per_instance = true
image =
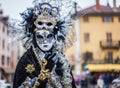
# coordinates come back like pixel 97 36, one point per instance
pixel 45 47
pixel 45 39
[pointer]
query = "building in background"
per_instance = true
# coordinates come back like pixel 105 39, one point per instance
pixel 8 51
pixel 99 38
pixel 100 41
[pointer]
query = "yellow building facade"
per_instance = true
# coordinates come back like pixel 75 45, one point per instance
pixel 98 32
pixel 99 38
pixel 103 38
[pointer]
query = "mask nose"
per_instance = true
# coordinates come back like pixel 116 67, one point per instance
pixel 45 41
pixel 44 28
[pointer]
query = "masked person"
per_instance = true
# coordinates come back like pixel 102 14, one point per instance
pixel 43 65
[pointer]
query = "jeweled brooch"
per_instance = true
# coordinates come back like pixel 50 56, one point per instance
pixel 30 68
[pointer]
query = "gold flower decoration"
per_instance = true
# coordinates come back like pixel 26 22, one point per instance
pixel 30 68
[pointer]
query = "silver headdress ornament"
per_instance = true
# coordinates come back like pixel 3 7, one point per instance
pixel 57 12
pixel 47 12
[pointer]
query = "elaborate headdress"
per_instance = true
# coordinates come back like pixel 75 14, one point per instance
pixel 47 12
pixel 58 12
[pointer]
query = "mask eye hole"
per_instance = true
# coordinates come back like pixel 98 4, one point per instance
pixel 50 36
pixel 39 37
pixel 40 23
pixel 49 24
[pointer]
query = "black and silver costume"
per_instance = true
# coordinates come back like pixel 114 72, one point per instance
pixel 44 65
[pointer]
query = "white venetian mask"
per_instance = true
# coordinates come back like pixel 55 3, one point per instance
pixel 45 39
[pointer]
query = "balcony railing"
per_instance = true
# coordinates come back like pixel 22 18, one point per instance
pixel 109 45
pixel 104 61
pixel 95 62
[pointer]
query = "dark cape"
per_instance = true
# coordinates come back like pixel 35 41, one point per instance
pixel 21 73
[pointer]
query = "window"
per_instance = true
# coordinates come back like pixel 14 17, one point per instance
pixel 107 19
pixel 86 37
pixel 3 59
pixel 85 19
pixel 110 57
pixel 119 19
pixel 12 64
pixel 109 38
pixel 3 44
pixel 8 61
pixel 3 29
pixel 88 56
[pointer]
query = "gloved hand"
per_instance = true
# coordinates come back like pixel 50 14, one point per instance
pixel 28 83
pixel 59 69
pixel 51 60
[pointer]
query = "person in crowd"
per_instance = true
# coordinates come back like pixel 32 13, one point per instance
pixel 93 81
pixel 100 82
pixel 83 82
pixel 106 79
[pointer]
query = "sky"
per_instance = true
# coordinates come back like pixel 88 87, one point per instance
pixel 12 8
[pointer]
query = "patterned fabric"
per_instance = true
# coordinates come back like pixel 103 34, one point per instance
pixel 58 78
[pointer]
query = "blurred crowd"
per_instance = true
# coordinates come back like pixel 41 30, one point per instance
pixel 96 80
